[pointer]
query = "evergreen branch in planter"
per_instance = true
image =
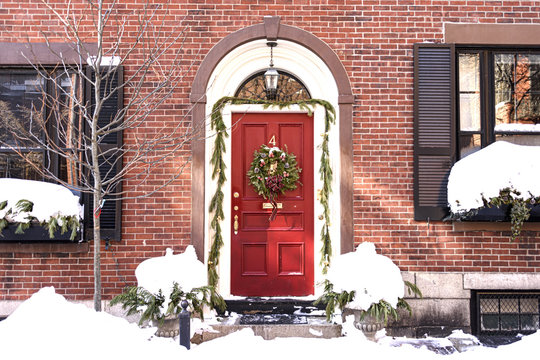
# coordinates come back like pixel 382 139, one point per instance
pixel 381 311
pixel 3 224
pixel 21 227
pixel 24 206
pixel 138 300
pixel 333 299
pixel 520 208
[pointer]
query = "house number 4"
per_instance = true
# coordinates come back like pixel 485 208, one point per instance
pixel 272 140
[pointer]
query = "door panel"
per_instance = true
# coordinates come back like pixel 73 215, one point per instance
pixel 272 258
pixel 255 259
pixel 289 221
pixel 252 135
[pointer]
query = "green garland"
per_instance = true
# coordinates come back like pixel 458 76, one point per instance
pixel 218 163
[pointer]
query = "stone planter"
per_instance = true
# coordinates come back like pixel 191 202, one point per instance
pixel 368 325
pixel 169 327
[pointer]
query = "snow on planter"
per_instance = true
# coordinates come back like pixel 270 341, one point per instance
pixel 372 276
pixel 50 200
pixel 484 173
pixel 161 272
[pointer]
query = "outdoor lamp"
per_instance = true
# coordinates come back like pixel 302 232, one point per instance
pixel 271 75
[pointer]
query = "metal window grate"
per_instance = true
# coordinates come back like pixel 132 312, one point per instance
pixel 507 313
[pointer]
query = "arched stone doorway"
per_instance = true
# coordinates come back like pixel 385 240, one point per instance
pixel 226 67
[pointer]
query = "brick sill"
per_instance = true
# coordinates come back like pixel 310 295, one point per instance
pixel 43 247
pixel 491 226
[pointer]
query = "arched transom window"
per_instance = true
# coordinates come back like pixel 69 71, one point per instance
pixel 289 88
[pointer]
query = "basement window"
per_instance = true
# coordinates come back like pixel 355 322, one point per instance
pixel 505 313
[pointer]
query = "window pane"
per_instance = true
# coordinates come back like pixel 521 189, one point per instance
pixel 489 306
pixel 469 143
pixel 469 92
pixel 529 305
pixel 527 89
pixel 529 322
pixel 490 322
pixel 517 92
pixel 510 322
pixel 67 125
pixel 21 105
pixel 13 166
pixel 509 305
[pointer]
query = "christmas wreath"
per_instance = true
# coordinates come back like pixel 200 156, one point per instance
pixel 273 171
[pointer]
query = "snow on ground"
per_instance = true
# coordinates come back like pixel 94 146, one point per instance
pixel 50 200
pixel 46 326
pixel 353 271
pixel 487 171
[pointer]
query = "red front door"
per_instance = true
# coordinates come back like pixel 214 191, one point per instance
pixel 271 258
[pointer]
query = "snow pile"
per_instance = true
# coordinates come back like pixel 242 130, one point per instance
pixel 484 173
pixel 374 277
pixel 161 272
pixel 462 341
pixel 48 327
pixel 50 200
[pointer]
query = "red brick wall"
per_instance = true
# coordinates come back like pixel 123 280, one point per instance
pixel 374 40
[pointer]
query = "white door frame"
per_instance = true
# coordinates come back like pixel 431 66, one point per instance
pixel 227 76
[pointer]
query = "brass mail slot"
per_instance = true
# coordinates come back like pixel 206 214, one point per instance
pixel 269 206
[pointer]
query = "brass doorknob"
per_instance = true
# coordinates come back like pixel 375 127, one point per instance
pixel 236 195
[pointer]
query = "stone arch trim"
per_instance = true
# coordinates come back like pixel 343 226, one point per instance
pixel 271 29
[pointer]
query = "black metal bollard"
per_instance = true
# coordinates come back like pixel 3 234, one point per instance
pixel 185 332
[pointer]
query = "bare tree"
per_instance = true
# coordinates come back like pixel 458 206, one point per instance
pixel 132 52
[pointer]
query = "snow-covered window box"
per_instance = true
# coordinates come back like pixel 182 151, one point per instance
pixel 497 183
pixel 38 211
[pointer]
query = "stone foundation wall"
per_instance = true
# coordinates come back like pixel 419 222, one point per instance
pixel 446 301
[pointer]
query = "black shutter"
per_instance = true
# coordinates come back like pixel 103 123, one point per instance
pixel 434 128
pixel 111 213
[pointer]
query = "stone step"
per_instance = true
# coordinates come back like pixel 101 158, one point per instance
pixel 270 326
pixel 254 305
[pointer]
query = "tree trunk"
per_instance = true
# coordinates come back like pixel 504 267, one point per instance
pixel 95 163
pixel 97 257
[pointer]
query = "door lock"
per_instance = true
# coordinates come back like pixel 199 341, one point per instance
pixel 236 195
